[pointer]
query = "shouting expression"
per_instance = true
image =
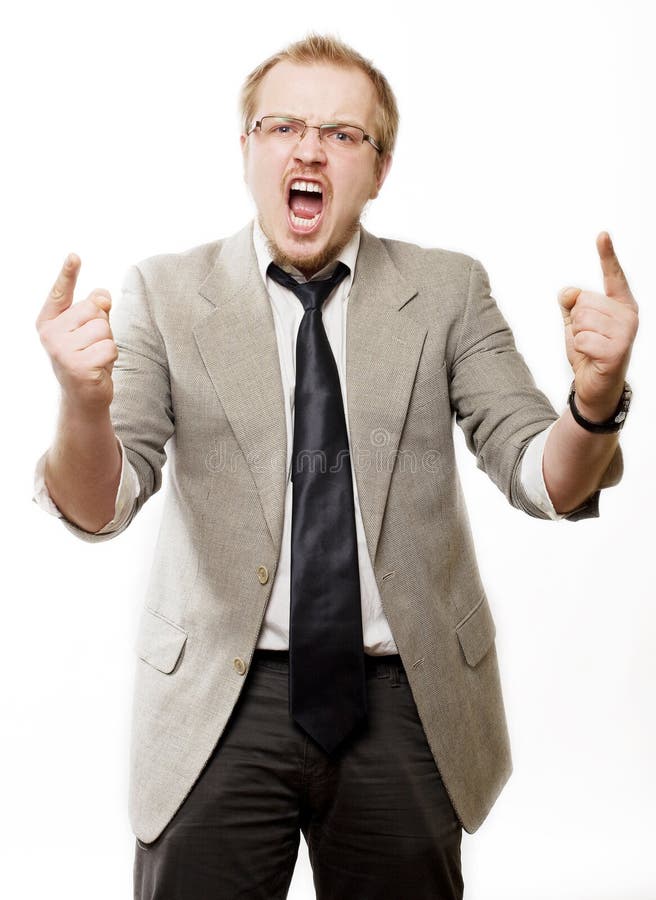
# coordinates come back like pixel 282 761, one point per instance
pixel 310 191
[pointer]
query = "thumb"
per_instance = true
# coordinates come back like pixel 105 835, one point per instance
pixel 567 297
pixel 102 299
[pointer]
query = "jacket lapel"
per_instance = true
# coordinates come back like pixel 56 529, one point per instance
pixel 383 347
pixel 237 342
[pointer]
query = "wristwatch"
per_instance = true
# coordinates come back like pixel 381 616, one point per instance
pixel 616 421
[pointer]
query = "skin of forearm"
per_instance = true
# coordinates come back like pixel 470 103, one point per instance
pixel 574 462
pixel 83 467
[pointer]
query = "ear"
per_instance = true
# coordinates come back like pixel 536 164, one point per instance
pixel 243 140
pixel 381 175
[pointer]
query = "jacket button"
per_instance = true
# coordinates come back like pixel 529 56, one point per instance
pixel 239 664
pixel 263 574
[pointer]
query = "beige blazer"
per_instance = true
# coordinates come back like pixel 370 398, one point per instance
pixel 198 379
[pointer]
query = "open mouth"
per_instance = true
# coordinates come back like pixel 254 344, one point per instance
pixel 305 205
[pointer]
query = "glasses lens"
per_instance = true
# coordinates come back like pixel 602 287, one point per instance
pixel 344 137
pixel 282 129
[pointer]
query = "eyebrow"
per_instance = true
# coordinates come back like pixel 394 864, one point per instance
pixel 335 121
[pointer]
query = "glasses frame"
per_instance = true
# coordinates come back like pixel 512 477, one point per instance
pixel 257 124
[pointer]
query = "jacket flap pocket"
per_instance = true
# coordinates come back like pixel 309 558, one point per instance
pixel 476 632
pixel 159 641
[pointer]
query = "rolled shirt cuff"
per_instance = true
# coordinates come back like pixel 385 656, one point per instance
pixel 532 478
pixel 126 494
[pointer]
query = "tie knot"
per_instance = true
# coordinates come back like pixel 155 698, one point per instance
pixel 313 293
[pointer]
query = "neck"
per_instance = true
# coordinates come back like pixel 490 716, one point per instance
pixel 310 265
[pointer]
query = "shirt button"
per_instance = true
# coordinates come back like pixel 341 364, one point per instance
pixel 239 664
pixel 263 574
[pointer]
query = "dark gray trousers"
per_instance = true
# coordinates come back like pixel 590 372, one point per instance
pixel 376 817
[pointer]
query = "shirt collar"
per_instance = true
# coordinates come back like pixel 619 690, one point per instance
pixel 348 256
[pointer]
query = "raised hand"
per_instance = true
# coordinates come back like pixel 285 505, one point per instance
pixel 599 334
pixel 79 340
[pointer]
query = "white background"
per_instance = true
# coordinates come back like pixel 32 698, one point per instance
pixel 526 129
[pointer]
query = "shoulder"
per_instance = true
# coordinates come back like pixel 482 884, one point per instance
pixel 406 253
pixel 431 271
pixel 187 270
pixel 173 270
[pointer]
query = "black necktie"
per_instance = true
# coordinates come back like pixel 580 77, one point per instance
pixel 327 682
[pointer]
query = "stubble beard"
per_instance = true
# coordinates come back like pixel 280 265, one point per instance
pixel 309 265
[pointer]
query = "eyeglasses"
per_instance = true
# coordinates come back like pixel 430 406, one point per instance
pixel 283 130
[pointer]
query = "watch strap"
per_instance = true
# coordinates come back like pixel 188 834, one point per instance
pixel 611 425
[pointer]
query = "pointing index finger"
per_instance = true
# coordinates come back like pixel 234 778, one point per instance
pixel 61 293
pixel 615 283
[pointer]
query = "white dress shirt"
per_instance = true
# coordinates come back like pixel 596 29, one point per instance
pixel 287 314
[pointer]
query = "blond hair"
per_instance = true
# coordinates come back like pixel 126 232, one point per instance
pixel 316 48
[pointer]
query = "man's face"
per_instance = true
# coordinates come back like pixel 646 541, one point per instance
pixel 323 223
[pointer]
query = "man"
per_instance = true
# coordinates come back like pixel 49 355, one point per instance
pixel 256 713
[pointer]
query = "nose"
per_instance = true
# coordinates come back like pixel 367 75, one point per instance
pixel 309 149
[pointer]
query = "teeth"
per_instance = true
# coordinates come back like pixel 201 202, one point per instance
pixel 309 186
pixel 304 223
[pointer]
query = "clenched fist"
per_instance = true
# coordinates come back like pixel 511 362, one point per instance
pixel 79 340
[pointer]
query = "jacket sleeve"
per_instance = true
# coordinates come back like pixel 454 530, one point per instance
pixel 141 410
pixel 497 403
